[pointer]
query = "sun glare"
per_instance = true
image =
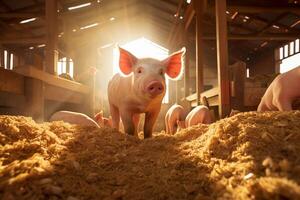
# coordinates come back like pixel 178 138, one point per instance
pixel 142 48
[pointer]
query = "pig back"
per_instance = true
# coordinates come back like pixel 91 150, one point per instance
pixel 199 114
pixel 73 118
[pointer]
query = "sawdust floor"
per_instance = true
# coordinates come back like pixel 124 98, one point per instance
pixel 248 156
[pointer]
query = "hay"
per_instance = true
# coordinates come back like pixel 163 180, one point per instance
pixel 248 156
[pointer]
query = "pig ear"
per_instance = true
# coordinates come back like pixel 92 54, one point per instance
pixel 174 64
pixel 99 116
pixel 126 61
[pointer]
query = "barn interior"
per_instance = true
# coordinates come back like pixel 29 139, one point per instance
pixel 60 55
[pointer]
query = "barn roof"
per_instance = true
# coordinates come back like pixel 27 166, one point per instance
pixel 254 25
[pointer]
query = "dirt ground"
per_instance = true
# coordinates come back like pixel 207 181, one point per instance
pixel 248 156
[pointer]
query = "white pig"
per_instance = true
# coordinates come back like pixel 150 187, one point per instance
pixel 280 95
pixel 73 118
pixel 174 115
pixel 140 88
pixel 200 114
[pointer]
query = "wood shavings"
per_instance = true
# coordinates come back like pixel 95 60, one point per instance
pixel 248 156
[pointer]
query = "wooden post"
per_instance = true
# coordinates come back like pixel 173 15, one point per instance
pixel 187 64
pixel 1 56
pixel 51 57
pixel 34 91
pixel 237 76
pixel 187 74
pixel 199 9
pixel 222 58
pixel 67 36
pixel 277 59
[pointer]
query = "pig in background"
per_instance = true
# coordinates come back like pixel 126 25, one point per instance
pixel 103 121
pixel 176 114
pixel 198 115
pixel 140 88
pixel 73 118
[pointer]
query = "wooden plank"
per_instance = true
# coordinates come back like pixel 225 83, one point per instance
pixel 199 9
pixel 25 40
pixel 222 58
pixel 188 15
pixel 32 72
pixel 51 56
pixel 271 23
pixel 208 93
pixel 212 101
pixel 263 9
pixel 61 95
pixel 11 81
pixel 265 36
pixel 8 99
pixel 23 15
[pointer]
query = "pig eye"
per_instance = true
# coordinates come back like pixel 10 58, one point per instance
pixel 139 70
pixel 161 72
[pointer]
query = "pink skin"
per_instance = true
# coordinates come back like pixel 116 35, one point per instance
pixel 280 95
pixel 73 118
pixel 174 114
pixel 140 89
pixel 199 115
pixel 103 121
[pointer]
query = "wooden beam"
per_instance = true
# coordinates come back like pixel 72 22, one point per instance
pixel 271 23
pixel 222 58
pixel 199 9
pixel 51 57
pixel 290 29
pixel 188 15
pixel 266 36
pixel 27 40
pixel 179 8
pixel 263 9
pixel 19 15
pixel 5 6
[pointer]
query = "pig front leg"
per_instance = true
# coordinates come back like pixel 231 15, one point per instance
pixel 115 116
pixel 136 121
pixel 127 119
pixel 150 120
pixel 167 125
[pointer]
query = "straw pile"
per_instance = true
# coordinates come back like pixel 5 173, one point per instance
pixel 247 156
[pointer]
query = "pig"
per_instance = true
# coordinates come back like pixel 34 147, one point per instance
pixel 103 121
pixel 175 115
pixel 139 88
pixel 200 114
pixel 281 93
pixel 73 118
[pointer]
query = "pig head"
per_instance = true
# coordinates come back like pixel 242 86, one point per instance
pixel 139 88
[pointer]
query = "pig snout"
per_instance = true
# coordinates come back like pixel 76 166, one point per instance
pixel 155 88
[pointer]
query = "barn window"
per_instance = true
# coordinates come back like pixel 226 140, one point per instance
pixel 5 59
pixel 143 47
pixel 11 62
pixel 289 56
pixel 62 66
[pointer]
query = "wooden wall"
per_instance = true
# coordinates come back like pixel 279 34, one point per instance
pixel 264 64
